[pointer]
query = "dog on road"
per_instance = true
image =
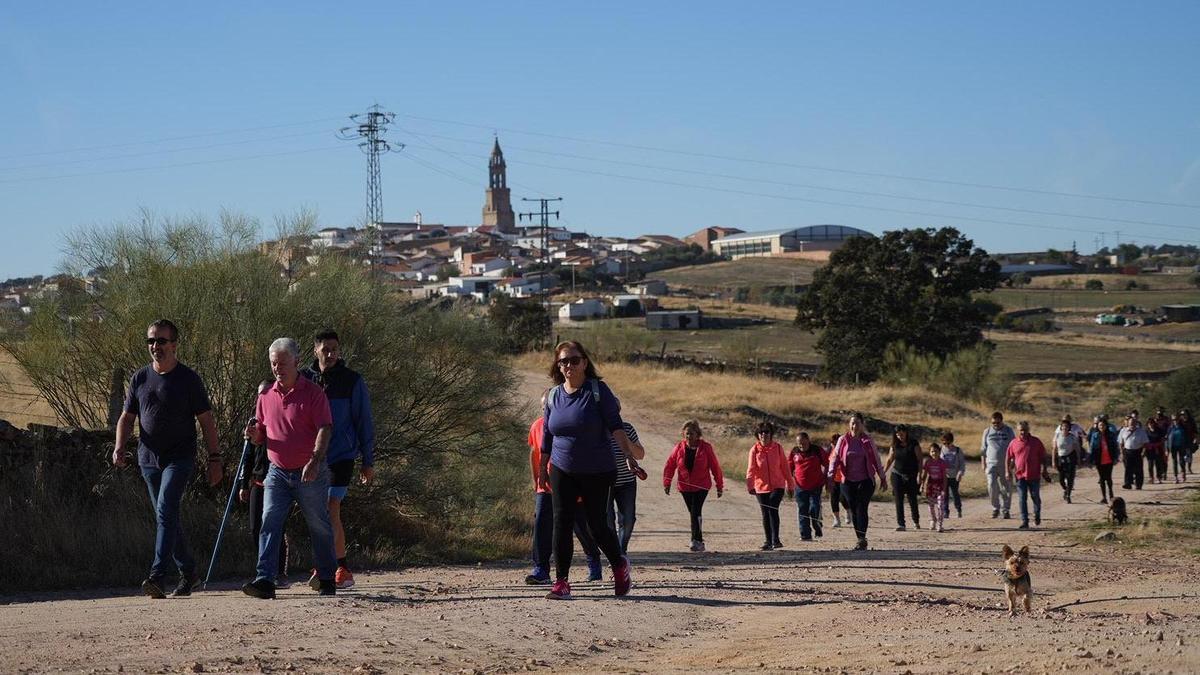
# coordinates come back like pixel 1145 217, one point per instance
pixel 1017 584
pixel 1116 511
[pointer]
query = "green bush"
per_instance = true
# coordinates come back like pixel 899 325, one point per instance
pixel 1180 390
pixel 436 378
pixel 1093 285
pixel 967 374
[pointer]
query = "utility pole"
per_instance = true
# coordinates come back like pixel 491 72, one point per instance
pixel 369 129
pixel 544 213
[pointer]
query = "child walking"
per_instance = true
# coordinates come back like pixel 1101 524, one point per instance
pixel 767 477
pixel 694 465
pixel 808 462
pixel 956 468
pixel 934 474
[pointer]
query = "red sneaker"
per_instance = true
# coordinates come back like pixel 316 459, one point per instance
pixel 344 578
pixel 561 590
pixel 622 579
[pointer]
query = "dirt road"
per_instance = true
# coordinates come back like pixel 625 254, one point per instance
pixel 917 601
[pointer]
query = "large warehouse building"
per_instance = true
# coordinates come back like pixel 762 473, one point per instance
pixel 793 240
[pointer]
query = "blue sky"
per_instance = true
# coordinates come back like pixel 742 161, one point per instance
pixel 187 110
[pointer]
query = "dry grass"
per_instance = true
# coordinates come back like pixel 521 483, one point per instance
pixel 1179 532
pixel 714 399
pixel 1114 281
pixel 742 273
pixel 20 402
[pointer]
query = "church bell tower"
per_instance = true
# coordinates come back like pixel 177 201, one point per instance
pixel 497 204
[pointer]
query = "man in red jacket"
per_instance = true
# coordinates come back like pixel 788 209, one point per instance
pixel 808 464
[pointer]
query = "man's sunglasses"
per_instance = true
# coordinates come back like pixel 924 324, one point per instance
pixel 160 341
pixel 569 361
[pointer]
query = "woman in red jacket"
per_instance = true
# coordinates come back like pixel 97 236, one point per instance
pixel 767 476
pixel 696 466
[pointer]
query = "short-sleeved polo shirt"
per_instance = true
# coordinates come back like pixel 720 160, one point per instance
pixel 292 421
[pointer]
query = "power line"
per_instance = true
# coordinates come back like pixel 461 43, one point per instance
pixel 544 214
pixel 369 129
pixel 811 167
pixel 169 139
pixel 865 193
pixel 169 166
pixel 168 150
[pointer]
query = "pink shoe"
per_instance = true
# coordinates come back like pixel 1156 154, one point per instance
pixel 622 579
pixel 561 590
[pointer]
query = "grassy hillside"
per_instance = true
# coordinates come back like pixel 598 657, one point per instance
pixel 742 273
pixel 1097 300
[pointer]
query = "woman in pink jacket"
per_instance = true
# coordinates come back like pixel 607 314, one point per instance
pixel 767 476
pixel 858 460
pixel 693 461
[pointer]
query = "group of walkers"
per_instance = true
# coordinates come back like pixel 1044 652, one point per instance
pixel 310 427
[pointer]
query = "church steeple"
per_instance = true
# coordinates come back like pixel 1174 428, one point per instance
pixel 497 205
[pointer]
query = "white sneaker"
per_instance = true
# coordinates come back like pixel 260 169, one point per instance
pixel 837 520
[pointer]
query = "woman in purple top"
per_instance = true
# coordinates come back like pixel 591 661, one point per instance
pixel 857 458
pixel 581 414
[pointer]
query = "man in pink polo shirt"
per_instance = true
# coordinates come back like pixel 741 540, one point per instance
pixel 1028 461
pixel 294 420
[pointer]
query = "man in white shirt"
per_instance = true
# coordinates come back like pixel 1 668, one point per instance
pixel 1132 439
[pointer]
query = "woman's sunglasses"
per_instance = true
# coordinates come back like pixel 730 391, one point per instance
pixel 569 361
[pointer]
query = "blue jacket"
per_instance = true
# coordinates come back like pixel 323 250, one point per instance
pixel 1114 449
pixel 353 427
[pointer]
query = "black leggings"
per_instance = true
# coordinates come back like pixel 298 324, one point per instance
pixel 1066 473
pixel 904 486
pixel 567 489
pixel 1179 461
pixel 836 498
pixel 858 501
pixel 955 496
pixel 695 507
pixel 256 511
pixel 1105 471
pixel 768 503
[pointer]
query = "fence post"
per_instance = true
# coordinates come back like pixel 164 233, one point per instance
pixel 663 352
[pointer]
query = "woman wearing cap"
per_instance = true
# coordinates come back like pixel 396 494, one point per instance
pixel 581 414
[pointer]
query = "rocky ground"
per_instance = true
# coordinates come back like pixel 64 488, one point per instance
pixel 916 602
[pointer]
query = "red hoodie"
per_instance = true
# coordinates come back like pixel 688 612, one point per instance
pixel 809 469
pixel 697 478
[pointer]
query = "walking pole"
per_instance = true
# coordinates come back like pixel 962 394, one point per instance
pixel 228 507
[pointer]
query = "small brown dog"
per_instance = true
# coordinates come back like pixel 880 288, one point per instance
pixel 1116 511
pixel 1017 584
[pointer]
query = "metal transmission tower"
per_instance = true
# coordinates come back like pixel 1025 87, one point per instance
pixel 369 129
pixel 544 213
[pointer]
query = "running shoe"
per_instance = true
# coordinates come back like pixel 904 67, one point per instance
pixel 538 577
pixel 561 590
pixel 262 589
pixel 777 544
pixel 861 545
pixel 152 587
pixel 595 573
pixel 766 546
pixel 995 513
pixel 1023 526
pixel 344 578
pixel 622 577
pixel 695 546
pixel 314 581
pixel 326 587
pixel 700 547
pixel 901 528
pixel 185 585
pixel 837 520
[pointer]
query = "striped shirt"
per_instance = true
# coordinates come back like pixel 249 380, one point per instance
pixel 624 475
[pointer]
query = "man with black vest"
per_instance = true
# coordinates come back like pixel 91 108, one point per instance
pixel 353 434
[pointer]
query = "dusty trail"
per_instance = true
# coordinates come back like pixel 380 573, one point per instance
pixel 917 601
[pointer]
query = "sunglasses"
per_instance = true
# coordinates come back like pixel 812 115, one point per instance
pixel 570 361
pixel 160 341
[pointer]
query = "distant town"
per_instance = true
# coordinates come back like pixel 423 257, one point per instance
pixel 591 276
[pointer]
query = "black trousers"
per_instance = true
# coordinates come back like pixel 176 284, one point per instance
pixel 858 495
pixel 695 507
pixel 768 503
pixel 568 489
pixel 1135 471
pixel 955 496
pixel 836 497
pixel 1179 461
pixel 256 514
pixel 1105 471
pixel 905 486
pixel 1066 472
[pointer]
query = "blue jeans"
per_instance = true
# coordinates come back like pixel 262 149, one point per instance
pixel 1030 488
pixel 622 501
pixel 543 532
pixel 808 505
pixel 280 489
pixel 166 484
